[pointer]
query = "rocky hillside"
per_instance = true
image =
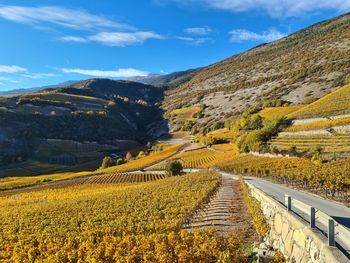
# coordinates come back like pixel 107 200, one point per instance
pixel 299 68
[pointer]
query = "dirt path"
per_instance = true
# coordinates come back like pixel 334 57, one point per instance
pixel 222 212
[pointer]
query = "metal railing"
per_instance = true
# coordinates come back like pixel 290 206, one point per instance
pixel 335 232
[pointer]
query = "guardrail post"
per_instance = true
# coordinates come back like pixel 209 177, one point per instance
pixel 312 217
pixel 289 202
pixel 331 238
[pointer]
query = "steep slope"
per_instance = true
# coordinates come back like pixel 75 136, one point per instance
pixel 303 66
pixel 335 103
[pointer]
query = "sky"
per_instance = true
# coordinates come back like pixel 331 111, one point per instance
pixel 49 42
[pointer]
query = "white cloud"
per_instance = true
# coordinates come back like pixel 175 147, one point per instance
pixel 55 15
pixel 239 35
pixel 8 79
pixel 201 31
pixel 11 69
pixel 275 8
pixel 119 73
pixel 39 75
pixel 75 39
pixel 196 41
pixel 122 39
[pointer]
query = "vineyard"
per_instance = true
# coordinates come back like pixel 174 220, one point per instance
pixel 143 162
pixel 114 223
pixel 330 179
pixel 201 158
pixel 317 125
pixel 26 181
pixel 276 112
pixel 224 134
pixel 335 103
pixel 223 147
pixel 115 178
pixel 185 114
pixel 337 145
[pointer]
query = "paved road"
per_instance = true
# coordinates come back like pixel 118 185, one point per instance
pixel 339 212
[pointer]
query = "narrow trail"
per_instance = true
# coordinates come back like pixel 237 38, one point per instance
pixel 218 213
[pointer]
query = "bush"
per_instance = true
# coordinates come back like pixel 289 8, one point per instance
pixel 347 79
pixel 173 168
pixel 120 161
pixel 254 140
pixel 107 162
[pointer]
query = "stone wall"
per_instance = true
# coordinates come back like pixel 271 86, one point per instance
pixel 292 236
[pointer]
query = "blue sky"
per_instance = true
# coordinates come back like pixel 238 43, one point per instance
pixel 47 42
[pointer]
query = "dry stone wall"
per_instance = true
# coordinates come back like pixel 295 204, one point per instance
pixel 292 236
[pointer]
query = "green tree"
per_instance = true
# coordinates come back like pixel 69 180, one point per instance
pixel 173 168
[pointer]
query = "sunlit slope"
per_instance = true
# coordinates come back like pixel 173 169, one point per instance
pixel 335 103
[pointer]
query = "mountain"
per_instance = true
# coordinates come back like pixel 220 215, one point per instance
pixel 107 88
pixel 35 89
pixel 298 68
pixel 122 114
pixel 171 80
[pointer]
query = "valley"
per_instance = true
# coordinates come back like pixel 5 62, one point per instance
pixel 185 167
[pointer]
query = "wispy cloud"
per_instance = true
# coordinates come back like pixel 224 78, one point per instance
pixel 7 79
pixel 196 41
pixel 55 15
pixel 104 31
pixel 119 73
pixel 199 31
pixel 39 75
pixel 11 69
pixel 275 8
pixel 74 39
pixel 240 35
pixel 122 39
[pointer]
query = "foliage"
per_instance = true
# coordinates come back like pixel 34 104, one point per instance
pixel 256 139
pixel 173 168
pixel 205 139
pixel 254 208
pixel 107 162
pixel 128 156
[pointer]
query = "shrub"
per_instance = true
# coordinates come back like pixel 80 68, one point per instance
pixel 173 168
pixel 120 161
pixel 107 162
pixel 128 156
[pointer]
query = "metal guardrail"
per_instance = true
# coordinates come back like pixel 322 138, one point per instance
pixel 335 232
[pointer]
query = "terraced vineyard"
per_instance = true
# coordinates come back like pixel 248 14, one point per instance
pixel 337 144
pixel 201 158
pixel 319 124
pixel 115 178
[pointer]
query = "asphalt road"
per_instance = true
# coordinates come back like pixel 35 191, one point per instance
pixel 339 212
